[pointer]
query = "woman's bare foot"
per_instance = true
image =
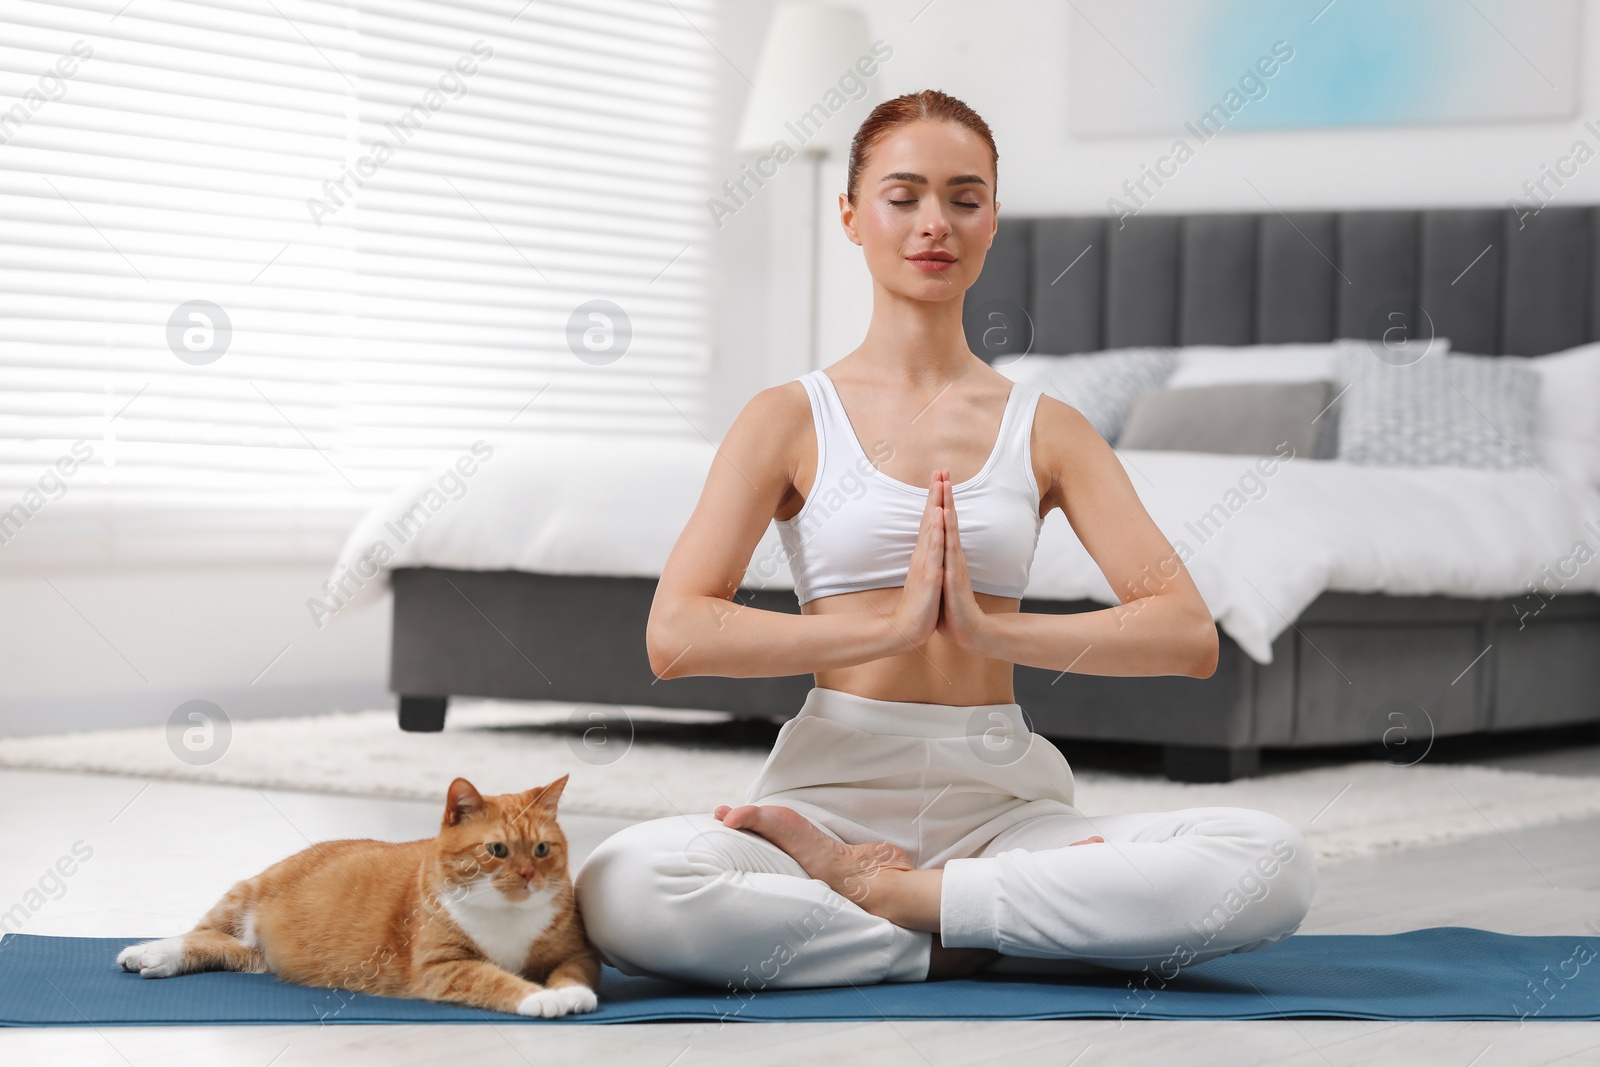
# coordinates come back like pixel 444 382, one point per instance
pixel 877 876
pixel 860 873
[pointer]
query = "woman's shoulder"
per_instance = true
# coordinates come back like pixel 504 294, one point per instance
pixel 1067 446
pixel 785 405
pixel 1060 419
pixel 772 423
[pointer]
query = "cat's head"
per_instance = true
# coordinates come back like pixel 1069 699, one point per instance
pixel 508 846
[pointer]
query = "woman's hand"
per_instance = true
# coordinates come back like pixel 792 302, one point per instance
pixel 960 616
pixel 917 615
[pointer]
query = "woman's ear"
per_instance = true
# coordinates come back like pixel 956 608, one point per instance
pixel 847 219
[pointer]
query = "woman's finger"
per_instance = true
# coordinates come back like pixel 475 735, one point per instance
pixel 932 524
pixel 930 510
pixel 949 506
pixel 935 497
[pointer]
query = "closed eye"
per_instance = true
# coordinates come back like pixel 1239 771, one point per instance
pixel 958 203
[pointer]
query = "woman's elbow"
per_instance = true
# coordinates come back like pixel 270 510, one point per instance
pixel 662 647
pixel 661 664
pixel 1207 648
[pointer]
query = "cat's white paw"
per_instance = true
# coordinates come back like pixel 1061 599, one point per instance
pixel 550 1003
pixel 154 959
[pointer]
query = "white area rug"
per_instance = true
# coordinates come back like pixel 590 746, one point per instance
pixel 683 762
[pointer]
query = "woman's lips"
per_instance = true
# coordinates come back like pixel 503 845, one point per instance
pixel 932 265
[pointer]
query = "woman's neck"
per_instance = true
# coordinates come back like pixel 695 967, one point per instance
pixel 914 343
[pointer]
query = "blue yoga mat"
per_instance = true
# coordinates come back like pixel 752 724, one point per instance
pixel 1442 973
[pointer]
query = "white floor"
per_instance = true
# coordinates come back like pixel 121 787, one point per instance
pixel 162 852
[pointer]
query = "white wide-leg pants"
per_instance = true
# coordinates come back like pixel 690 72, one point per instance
pixel 971 790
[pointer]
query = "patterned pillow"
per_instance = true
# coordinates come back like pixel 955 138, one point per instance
pixel 1099 384
pixel 1450 409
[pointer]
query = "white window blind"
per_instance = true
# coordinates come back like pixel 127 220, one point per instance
pixel 402 208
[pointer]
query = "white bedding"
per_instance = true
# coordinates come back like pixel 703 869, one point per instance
pixel 1275 541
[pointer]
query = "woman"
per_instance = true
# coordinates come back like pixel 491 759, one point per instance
pixel 907 824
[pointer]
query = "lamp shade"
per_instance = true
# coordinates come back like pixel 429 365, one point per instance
pixel 803 85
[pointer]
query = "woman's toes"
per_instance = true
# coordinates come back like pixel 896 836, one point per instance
pixel 784 827
pixel 743 817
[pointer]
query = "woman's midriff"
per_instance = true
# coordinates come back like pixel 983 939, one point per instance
pixel 937 672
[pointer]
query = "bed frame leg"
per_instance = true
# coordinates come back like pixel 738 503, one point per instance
pixel 423 714
pixel 1209 763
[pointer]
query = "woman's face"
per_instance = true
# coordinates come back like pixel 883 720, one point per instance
pixel 925 187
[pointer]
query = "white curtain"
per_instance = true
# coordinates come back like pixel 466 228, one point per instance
pixel 262 259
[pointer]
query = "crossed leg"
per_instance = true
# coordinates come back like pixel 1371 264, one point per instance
pixel 777 901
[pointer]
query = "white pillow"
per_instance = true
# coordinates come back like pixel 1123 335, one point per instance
pixel 1222 364
pixel 1567 419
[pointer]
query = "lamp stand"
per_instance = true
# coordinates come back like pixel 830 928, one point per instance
pixel 813 314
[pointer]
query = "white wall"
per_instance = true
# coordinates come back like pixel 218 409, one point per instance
pixel 1010 65
pixel 759 281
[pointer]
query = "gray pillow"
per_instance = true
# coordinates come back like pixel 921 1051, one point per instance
pixel 1454 410
pixel 1098 384
pixel 1250 418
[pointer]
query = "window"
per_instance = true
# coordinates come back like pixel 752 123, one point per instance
pixel 265 259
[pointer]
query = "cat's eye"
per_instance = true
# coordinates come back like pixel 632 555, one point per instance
pixel 542 848
pixel 498 850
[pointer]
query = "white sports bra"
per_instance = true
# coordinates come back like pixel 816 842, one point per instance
pixel 858 525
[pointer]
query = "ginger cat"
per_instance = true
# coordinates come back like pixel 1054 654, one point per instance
pixel 483 914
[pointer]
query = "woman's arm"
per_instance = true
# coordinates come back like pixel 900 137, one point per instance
pixel 1162 625
pixel 696 627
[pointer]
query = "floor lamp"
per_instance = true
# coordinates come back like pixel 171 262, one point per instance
pixel 809 49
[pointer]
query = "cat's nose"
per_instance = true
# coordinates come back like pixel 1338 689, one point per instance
pixel 525 873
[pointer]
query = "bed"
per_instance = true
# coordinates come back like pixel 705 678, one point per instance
pixel 1356 605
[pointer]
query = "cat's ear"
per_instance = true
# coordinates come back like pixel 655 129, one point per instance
pixel 547 796
pixel 463 800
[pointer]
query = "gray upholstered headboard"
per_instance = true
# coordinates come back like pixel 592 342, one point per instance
pixel 1489 281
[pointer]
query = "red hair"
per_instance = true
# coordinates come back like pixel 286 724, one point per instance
pixel 929 104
